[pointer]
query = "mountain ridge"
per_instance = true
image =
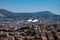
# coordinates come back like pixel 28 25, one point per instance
pixel 9 14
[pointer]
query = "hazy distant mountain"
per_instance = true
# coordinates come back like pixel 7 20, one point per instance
pixel 45 14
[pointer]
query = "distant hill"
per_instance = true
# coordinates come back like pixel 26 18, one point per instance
pixel 45 14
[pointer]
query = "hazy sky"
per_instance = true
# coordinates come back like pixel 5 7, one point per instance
pixel 31 5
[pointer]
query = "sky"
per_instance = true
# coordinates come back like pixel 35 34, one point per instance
pixel 31 5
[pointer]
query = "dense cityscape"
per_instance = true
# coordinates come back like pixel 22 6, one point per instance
pixel 29 26
pixel 29 19
pixel 24 30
